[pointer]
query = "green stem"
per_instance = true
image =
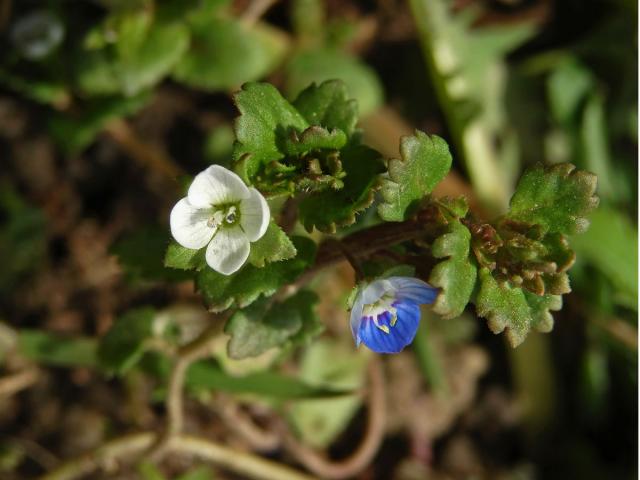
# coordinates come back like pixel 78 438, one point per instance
pixel 428 360
pixel 470 137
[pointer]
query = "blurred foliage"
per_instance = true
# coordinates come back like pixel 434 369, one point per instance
pixel 509 86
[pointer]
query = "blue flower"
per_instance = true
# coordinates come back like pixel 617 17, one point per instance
pixel 386 312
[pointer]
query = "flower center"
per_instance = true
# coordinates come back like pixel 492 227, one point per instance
pixel 382 311
pixel 223 215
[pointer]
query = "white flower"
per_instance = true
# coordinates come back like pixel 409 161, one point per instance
pixel 222 212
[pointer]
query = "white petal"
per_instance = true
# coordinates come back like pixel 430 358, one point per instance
pixel 216 185
pixel 189 225
pixel 375 290
pixel 254 215
pixel 228 250
pixel 356 318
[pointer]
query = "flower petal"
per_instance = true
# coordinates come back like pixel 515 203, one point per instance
pixel 412 289
pixel 228 250
pixel 399 336
pixel 189 225
pixel 254 215
pixel 216 185
pixel 356 318
pixel 375 290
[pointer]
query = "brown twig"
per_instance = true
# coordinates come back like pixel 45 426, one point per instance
pixel 255 10
pixel 364 454
pixel 11 384
pixel 146 154
pixel 132 446
pixel 199 348
pixel 242 424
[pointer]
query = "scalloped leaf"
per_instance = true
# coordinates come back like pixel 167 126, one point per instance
pixel 329 106
pixel 514 310
pixel 274 246
pixel 265 120
pixel 262 326
pixel 182 258
pixel 241 289
pixel 425 161
pixel 456 275
pixel 313 138
pixel 557 198
pixel 330 209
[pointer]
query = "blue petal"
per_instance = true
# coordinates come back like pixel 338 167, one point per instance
pixel 413 290
pixel 399 336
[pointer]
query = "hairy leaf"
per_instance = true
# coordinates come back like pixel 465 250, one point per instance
pixel 456 275
pixel 425 162
pixel 328 210
pixel 274 246
pixel 313 138
pixel 183 258
pixel 328 105
pixel 514 310
pixel 249 283
pixel 262 326
pixel 266 119
pixel 322 64
pixel 558 198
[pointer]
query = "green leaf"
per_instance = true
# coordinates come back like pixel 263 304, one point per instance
pixel 329 106
pixel 247 285
pixel 262 326
pixel 207 375
pixel 224 54
pixel 183 258
pixel 313 138
pixel 140 255
pixel 73 132
pixel 425 162
pixel 335 366
pixel 514 310
pixel 41 90
pixel 557 197
pixel 265 120
pixel 610 245
pixel 324 64
pixel 567 87
pixel 47 348
pixel 124 344
pixel 329 209
pixel 23 238
pixel 144 52
pixel 199 473
pixel 274 246
pixel 456 276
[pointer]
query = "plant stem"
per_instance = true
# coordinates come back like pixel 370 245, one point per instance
pixel 130 446
pixel 429 361
pixel 471 137
pixel 365 452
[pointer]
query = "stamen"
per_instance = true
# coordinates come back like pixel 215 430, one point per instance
pixel 231 215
